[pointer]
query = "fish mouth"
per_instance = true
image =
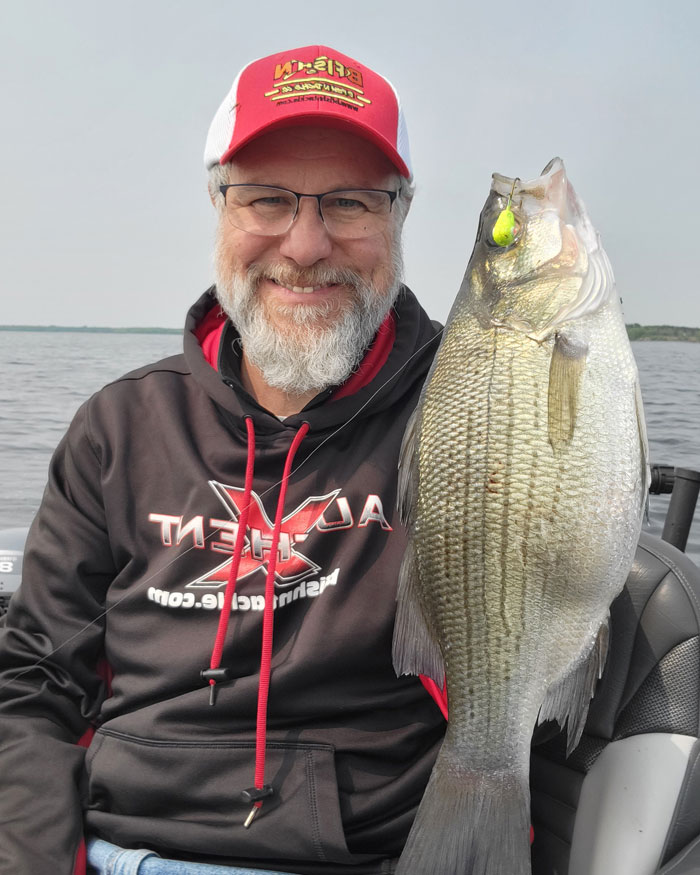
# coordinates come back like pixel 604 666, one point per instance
pixel 551 190
pixel 536 187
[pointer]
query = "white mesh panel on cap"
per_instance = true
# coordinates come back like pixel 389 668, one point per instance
pixel 221 128
pixel 402 145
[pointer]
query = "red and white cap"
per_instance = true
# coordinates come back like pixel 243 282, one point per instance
pixel 314 85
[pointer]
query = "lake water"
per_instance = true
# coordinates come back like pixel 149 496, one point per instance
pixel 46 376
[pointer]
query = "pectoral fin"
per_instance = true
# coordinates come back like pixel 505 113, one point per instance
pixel 565 372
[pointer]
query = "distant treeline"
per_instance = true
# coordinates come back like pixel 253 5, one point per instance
pixel 634 331
pixel 88 329
pixel 662 332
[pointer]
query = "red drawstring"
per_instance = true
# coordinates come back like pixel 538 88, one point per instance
pixel 268 622
pixel 215 673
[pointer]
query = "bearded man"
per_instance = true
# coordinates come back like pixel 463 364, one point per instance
pixel 196 673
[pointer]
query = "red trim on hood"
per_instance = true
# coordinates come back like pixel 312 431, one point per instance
pixel 374 360
pixel 209 334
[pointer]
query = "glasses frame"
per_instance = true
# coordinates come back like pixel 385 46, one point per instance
pixel 299 195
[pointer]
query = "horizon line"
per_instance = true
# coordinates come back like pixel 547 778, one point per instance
pixel 98 329
pixel 154 329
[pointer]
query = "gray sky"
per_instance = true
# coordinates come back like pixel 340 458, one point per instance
pixel 105 217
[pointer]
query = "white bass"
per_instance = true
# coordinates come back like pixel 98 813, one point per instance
pixel 523 481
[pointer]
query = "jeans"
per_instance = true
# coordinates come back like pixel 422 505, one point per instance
pixel 107 859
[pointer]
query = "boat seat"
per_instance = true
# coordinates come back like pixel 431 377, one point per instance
pixel 627 800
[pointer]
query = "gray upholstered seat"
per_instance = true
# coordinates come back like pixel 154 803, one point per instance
pixel 627 801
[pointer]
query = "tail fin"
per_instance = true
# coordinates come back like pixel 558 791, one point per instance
pixel 470 823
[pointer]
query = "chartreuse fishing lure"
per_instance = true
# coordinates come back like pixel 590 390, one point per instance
pixel 505 227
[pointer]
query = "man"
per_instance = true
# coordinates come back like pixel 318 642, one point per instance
pixel 210 580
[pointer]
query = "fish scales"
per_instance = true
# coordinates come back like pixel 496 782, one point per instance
pixel 523 478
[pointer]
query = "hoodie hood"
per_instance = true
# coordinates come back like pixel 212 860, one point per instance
pixel 407 363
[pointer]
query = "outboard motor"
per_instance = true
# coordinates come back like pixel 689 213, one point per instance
pixel 11 550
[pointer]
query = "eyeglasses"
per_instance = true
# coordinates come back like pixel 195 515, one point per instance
pixel 271 211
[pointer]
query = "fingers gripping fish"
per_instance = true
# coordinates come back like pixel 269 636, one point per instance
pixel 523 478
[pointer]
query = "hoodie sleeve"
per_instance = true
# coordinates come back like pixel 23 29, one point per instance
pixel 50 644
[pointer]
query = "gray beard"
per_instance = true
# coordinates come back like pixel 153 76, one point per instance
pixel 323 342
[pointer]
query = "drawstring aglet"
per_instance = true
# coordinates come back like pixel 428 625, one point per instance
pixel 256 796
pixel 253 811
pixel 211 676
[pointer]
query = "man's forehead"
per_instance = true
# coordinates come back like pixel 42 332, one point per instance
pixel 308 146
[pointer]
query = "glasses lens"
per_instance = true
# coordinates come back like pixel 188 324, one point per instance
pixel 353 214
pixel 260 209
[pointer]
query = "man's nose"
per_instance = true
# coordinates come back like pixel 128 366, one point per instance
pixel 308 240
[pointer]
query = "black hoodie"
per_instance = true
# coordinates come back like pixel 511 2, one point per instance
pixel 128 560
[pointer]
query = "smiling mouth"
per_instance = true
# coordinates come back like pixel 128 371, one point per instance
pixel 302 290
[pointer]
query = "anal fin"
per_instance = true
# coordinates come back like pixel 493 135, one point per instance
pixel 568 698
pixel 645 472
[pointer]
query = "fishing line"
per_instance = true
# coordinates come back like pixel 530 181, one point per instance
pixel 138 588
